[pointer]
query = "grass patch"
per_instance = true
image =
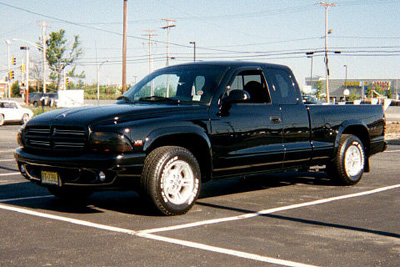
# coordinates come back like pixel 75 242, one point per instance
pixel 40 110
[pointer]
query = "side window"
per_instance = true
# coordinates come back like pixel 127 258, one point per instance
pixel 253 82
pixel 13 105
pixel 283 82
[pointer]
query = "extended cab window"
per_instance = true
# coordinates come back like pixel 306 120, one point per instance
pixel 253 82
pixel 284 84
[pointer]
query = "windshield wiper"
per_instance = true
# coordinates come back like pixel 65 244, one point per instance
pixel 125 98
pixel 159 98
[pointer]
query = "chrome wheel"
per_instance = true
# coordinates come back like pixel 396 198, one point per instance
pixel 177 183
pixel 353 161
pixel 25 118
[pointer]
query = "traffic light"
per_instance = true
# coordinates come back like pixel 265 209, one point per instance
pixel 23 67
pixel 11 74
pixel 14 61
pixel 67 80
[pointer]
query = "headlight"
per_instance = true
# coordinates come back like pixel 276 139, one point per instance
pixel 109 142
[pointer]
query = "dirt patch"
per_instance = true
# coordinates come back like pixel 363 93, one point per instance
pixel 393 131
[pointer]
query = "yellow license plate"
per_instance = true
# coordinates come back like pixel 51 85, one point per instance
pixel 50 178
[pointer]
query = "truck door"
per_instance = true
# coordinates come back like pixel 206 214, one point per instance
pixel 247 135
pixel 295 120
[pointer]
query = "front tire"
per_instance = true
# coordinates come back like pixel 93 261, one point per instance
pixel 171 179
pixel 348 165
pixel 25 118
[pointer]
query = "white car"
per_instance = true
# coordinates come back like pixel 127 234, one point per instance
pixel 11 111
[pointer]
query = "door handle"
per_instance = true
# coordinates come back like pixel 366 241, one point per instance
pixel 275 119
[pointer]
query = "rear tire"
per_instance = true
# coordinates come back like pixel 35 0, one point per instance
pixel 171 179
pixel 347 167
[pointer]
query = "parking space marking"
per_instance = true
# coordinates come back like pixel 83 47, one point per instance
pixel 10 173
pixel 269 211
pixel 7 151
pixel 148 234
pixel 392 151
pixel 231 252
pixel 66 219
pixel 24 198
pixel 220 250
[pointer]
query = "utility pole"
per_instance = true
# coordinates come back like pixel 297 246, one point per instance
pixel 168 28
pixel 8 43
pixel 149 35
pixel 26 48
pixel 326 5
pixel 124 38
pixel 44 50
pixel 311 55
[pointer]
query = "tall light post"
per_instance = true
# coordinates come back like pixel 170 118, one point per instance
pixel 326 5
pixel 194 51
pixel 98 80
pixel 26 48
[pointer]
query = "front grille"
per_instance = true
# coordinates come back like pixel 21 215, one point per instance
pixel 55 138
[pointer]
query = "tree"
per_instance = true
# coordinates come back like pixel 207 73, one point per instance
pixel 318 85
pixel 59 54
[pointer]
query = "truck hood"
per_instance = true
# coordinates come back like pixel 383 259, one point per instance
pixel 109 114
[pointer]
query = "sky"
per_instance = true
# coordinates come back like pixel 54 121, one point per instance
pixel 367 32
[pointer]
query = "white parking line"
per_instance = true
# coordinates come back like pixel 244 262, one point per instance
pixel 7 151
pixel 392 151
pixel 6 160
pixel 24 198
pixel 66 219
pixel 268 211
pixel 231 252
pixel 148 233
pixel 9 174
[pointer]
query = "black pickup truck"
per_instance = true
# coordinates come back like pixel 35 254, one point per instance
pixel 187 124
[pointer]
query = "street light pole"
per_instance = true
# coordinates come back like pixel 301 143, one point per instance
pixel 194 51
pixel 326 5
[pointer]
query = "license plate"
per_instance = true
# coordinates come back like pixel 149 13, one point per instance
pixel 50 178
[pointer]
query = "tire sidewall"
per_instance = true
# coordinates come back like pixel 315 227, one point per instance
pixel 166 160
pixel 350 142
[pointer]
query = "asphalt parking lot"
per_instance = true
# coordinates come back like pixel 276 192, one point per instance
pixel 288 219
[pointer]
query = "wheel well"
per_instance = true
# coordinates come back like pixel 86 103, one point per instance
pixel 362 133
pixel 195 144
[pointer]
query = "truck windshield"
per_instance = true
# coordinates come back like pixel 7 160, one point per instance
pixel 179 84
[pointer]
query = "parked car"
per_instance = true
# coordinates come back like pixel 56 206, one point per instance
pixel 188 124
pixel 52 99
pixel 38 99
pixel 11 111
pixel 309 99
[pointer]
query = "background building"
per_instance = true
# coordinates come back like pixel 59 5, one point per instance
pixel 358 87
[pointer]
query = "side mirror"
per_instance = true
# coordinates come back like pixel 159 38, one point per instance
pixel 236 96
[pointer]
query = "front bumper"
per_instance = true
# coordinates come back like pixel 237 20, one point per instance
pixel 89 170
